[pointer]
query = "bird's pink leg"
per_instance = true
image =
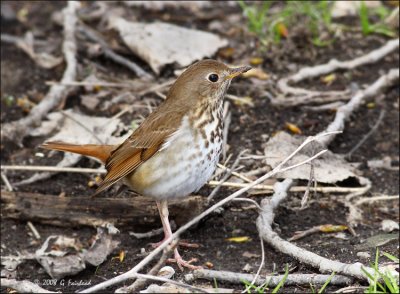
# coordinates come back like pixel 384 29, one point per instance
pixel 163 210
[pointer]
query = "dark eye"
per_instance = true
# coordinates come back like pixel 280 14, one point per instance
pixel 213 78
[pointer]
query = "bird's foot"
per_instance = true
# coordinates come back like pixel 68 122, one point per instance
pixel 183 263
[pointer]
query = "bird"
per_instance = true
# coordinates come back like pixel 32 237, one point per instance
pixel 175 150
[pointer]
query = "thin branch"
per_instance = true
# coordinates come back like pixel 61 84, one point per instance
pixel 303 96
pixel 6 181
pixel 34 230
pixel 141 282
pixel 131 273
pixel 253 281
pixel 272 280
pixel 54 169
pixel 109 53
pixel 376 198
pixel 160 279
pixel 226 176
pixel 365 138
pixel 236 174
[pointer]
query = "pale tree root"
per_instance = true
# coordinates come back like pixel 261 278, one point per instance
pixel 264 226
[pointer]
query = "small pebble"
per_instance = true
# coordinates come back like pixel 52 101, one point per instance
pixel 166 272
pixel 364 255
pixel 388 225
pixel 247 268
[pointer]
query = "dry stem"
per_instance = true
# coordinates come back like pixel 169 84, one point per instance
pixel 131 273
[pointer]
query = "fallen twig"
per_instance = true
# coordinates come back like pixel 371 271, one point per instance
pixel 6 181
pixel 54 169
pixel 272 280
pixel 17 130
pixel 376 198
pixel 226 176
pixel 151 233
pixel 315 229
pixel 33 229
pixel 302 96
pixel 141 282
pixel 131 273
pixel 253 281
pixel 268 189
pixel 236 174
pixel 365 138
pixel 109 53
pixel 23 286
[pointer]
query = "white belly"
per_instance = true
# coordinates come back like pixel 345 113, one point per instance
pixel 182 166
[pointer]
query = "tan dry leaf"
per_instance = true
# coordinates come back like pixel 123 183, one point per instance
pixel 328 168
pixel 257 73
pixel 161 43
pixel 293 128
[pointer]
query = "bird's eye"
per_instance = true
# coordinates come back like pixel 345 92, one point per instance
pixel 213 78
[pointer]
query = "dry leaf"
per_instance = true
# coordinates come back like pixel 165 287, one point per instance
pixel 166 272
pixel 293 128
pixel 242 239
pixel 257 73
pixel 101 248
pixel 256 61
pixel 371 105
pixel 250 255
pixel 161 43
pixel 242 101
pixel 59 263
pixel 329 79
pixel 282 30
pixel 25 104
pixel 121 256
pixel 328 168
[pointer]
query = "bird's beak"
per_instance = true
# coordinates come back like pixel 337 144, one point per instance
pixel 234 72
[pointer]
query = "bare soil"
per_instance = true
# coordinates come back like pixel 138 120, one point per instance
pixel 250 128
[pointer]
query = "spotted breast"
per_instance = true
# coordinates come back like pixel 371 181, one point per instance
pixel 191 154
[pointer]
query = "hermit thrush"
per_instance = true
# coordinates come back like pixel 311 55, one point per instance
pixel 176 148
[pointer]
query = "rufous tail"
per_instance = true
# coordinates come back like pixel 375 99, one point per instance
pixel 101 152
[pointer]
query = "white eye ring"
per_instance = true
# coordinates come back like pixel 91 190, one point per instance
pixel 213 78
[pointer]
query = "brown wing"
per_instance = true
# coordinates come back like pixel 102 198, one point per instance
pixel 142 144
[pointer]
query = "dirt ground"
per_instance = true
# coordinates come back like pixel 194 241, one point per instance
pixel 250 128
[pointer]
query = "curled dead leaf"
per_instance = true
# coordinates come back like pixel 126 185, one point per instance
pixel 241 239
pixel 293 128
pixel 256 60
pixel 329 79
pixel 329 228
pixel 25 104
pixel 257 73
pixel 371 105
pixel 282 30
pixel 121 256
